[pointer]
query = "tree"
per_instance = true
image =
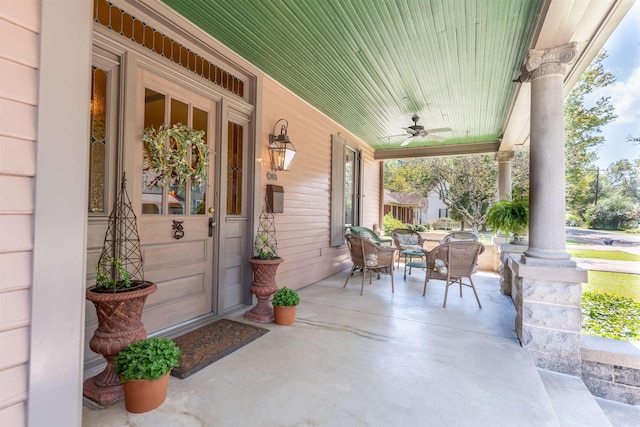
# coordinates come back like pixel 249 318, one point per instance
pixel 520 173
pixel 623 176
pixel 411 177
pixel 582 127
pixel 467 185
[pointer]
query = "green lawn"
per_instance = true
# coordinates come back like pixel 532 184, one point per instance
pixel 621 284
pixel 612 255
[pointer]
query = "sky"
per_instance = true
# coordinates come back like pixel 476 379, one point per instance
pixel 623 48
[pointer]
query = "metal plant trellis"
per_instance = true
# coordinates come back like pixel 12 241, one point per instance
pixel 122 242
pixel 266 245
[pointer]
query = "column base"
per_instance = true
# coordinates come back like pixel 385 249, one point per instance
pixel 544 258
pixel 548 317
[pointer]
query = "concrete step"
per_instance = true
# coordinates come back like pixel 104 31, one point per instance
pixel 573 403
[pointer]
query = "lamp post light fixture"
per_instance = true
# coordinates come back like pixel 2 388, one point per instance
pixel 281 149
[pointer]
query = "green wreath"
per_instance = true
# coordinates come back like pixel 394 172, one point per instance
pixel 171 162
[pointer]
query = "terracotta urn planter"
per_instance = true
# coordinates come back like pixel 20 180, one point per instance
pixel 263 286
pixel 119 324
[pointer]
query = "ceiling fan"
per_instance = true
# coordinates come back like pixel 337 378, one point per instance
pixel 419 131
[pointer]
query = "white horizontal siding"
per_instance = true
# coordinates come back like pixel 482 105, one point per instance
pixel 303 229
pixel 19 23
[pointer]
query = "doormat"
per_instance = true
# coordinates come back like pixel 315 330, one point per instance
pixel 211 342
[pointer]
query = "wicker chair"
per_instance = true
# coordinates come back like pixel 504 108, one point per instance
pixel 452 262
pixel 459 235
pixel 370 258
pixel 370 234
pixel 406 239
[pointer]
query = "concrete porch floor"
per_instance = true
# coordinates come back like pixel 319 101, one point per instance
pixel 381 359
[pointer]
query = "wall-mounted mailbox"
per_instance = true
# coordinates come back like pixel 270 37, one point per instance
pixel 275 198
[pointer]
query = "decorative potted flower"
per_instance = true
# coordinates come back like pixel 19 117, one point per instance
pixel 284 302
pixel 510 217
pixel 144 367
pixel 264 264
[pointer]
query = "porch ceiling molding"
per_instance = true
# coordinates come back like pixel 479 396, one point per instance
pixel 370 66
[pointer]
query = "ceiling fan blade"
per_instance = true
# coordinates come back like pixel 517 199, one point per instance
pixel 406 141
pixel 439 130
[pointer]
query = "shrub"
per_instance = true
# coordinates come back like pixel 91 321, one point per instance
pixel 391 223
pixel 285 297
pixel 573 220
pixel 610 316
pixel 148 359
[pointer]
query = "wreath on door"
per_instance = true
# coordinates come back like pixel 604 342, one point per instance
pixel 176 154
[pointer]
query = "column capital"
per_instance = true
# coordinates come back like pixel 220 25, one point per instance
pixel 504 156
pixel 542 62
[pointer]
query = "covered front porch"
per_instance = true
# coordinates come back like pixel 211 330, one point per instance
pixel 396 359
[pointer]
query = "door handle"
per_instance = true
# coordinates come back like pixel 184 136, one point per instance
pixel 211 225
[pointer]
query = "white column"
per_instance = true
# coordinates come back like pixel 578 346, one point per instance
pixel 545 69
pixel 504 173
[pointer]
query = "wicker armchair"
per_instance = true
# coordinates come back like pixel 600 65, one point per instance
pixel 452 262
pixel 455 236
pixel 370 234
pixel 370 258
pixel 406 239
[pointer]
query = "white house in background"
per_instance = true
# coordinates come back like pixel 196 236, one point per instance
pixel 412 209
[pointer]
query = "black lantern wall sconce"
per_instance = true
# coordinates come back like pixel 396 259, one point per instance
pixel 281 149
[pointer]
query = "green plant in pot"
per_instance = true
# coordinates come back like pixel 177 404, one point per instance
pixel 510 217
pixel 144 367
pixel 112 267
pixel 284 302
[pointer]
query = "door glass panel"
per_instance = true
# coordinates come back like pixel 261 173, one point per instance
pixel 154 111
pixel 198 195
pixel 234 169
pixel 177 196
pixel 97 141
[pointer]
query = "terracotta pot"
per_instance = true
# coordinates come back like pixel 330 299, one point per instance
pixel 145 395
pixel 285 315
pixel 263 286
pixel 119 324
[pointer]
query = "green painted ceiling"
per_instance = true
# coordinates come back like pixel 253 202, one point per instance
pixel 371 64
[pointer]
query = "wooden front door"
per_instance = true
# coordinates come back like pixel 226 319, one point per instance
pixel 177 226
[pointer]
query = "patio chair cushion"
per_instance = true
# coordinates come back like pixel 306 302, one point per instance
pixel 440 266
pixel 371 260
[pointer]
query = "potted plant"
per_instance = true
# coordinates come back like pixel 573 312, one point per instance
pixel 119 295
pixel 510 217
pixel 144 367
pixel 264 264
pixel 284 302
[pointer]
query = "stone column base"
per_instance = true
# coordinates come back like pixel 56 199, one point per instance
pixel 548 316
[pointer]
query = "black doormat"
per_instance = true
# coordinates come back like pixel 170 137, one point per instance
pixel 211 342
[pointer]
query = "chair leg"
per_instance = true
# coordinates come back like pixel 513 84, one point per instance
pixel 391 274
pixel 364 274
pixel 426 280
pixel 474 291
pixel 446 292
pixel 349 276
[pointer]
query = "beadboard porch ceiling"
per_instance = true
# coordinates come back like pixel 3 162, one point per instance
pixel 370 65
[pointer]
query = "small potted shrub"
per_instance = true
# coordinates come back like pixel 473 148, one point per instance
pixel 284 303
pixel 144 367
